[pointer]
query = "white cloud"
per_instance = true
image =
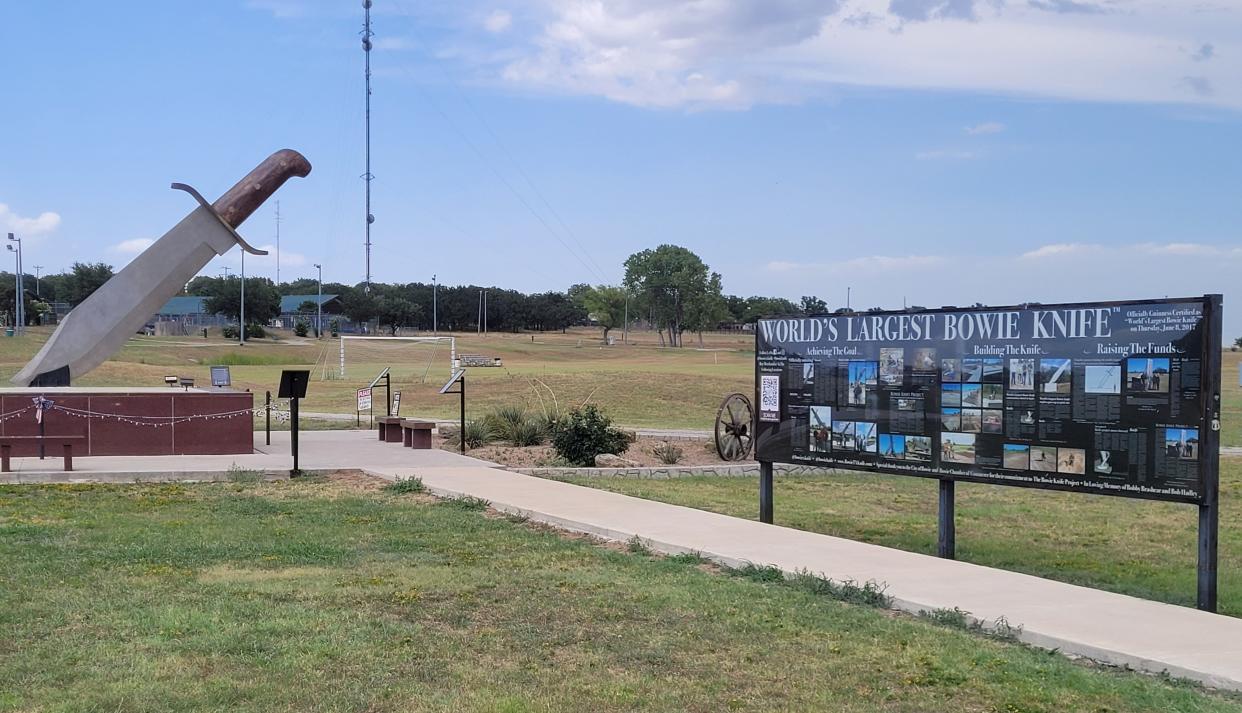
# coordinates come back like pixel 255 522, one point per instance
pixel 736 53
pixel 497 21
pixel 42 224
pixel 987 127
pixel 132 247
pixel 1057 249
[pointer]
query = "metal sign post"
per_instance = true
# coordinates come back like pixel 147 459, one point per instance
pixel 459 378
pixel 1209 453
pixel 293 384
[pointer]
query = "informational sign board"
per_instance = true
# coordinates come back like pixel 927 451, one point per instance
pixel 364 399
pixel 220 376
pixel 396 403
pixel 1109 398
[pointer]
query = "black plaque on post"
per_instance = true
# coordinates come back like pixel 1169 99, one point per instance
pixel 293 387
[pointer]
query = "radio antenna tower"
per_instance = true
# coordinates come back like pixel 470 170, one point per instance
pixel 368 177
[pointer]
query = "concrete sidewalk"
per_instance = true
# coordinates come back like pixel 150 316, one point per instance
pixel 1111 628
pixel 1106 627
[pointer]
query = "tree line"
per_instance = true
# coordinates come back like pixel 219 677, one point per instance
pixel 668 288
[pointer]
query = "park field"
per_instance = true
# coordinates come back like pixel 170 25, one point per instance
pixel 1143 548
pixel 332 594
pixel 639 384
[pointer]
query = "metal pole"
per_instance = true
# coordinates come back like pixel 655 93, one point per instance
pixel 1209 454
pixel 625 329
pixel 478 326
pixel 17 286
pixel 268 427
pixel 319 304
pixel 387 394
pixel 366 48
pixel 241 332
pixel 946 542
pixel 461 389
pixel 765 491
pixel 435 309
pixel 484 306
pixel 278 242
pixel 37 268
pixel 293 432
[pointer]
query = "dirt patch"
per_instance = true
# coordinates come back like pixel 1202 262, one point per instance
pixel 643 452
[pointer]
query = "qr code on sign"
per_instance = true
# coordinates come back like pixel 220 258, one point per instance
pixel 770 397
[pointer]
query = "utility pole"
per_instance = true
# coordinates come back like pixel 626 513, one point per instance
pixel 37 268
pixel 241 332
pixel 366 49
pixel 478 325
pixel 435 313
pixel 485 313
pixel 277 242
pixel 625 330
pixel 319 305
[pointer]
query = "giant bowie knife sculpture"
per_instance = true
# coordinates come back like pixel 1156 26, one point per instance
pixel 101 324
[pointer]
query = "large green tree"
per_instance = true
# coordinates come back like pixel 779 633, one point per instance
pixel 262 299
pixel 676 288
pixel 395 312
pixel 606 304
pixel 85 278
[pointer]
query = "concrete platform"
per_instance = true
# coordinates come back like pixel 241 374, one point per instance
pixel 319 451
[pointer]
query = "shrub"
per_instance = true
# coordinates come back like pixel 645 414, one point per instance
pixel 255 331
pixel 479 432
pixel 668 453
pixel 585 433
pixel 301 328
pixel 334 327
pixel 513 424
pixel 229 331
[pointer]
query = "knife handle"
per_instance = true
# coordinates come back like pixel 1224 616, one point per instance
pixel 250 192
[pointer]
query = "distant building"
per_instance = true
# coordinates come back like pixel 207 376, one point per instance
pixel 290 309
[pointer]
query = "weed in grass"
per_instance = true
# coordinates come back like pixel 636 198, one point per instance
pixel 637 546
pixel 517 518
pixel 244 476
pixel 869 594
pixel 403 486
pixel 956 618
pixel 468 503
pixel 693 559
pixel 668 453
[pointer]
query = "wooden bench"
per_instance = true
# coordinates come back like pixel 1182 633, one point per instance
pixel 416 433
pixel 66 442
pixel 389 428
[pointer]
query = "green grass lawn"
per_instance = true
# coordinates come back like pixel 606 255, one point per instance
pixel 1147 549
pixel 335 596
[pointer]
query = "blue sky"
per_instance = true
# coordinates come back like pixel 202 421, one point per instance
pixel 928 151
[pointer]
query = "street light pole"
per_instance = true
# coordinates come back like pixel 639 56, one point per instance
pixel 19 311
pixel 319 305
pixel 435 315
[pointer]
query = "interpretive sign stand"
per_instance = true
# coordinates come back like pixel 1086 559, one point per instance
pixel 459 378
pixel 1111 398
pixel 293 384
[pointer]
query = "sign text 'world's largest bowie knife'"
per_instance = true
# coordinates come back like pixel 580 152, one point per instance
pixel 101 324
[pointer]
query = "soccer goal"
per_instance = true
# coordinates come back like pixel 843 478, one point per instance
pixel 409 359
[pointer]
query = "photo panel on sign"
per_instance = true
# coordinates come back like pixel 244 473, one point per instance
pixel 893 446
pixel 1017 456
pixel 1147 375
pixel 957 448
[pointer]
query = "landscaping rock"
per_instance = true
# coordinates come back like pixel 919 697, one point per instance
pixel 609 460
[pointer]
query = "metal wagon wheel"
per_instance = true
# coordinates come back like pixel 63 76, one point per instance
pixel 734 425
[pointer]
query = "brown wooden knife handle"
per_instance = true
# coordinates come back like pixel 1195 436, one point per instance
pixel 245 198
